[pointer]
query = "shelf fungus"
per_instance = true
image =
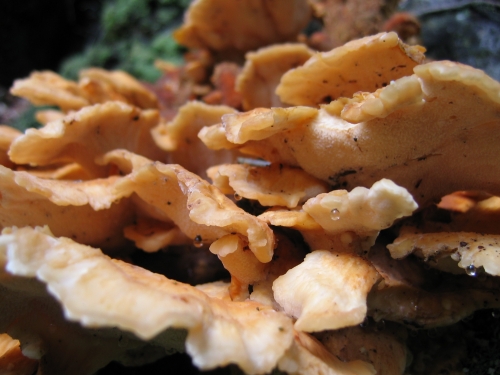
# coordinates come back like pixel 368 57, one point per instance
pixel 198 208
pixel 358 190
pixel 406 132
pixel 273 185
pixel 365 64
pixel 326 291
pixel 49 88
pixel 179 137
pixel 87 211
pixel 346 221
pixel 7 136
pixel 100 292
pixel 263 70
pixel 100 86
pixel 420 297
pixel 209 24
pixel 88 134
pixel 362 211
pixel 94 86
pixel 470 250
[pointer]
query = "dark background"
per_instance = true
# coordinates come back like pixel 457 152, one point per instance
pixel 38 34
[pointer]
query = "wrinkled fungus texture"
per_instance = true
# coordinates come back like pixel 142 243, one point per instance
pixel 87 211
pixel 274 185
pixel 98 291
pixel 326 291
pixel 209 23
pixel 364 211
pixel 365 64
pixel 353 203
pixel 196 207
pixel 180 137
pixel 88 134
pixel 263 70
pixel 470 250
pixel 95 86
pixel 453 127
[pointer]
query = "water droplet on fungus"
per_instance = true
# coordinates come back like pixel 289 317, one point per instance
pixel 198 241
pixel 335 214
pixel 471 270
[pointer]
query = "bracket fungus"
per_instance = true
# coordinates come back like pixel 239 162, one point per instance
pixel 273 185
pixel 198 208
pixel 363 211
pixel 208 24
pixel 95 86
pixel 48 88
pixel 98 291
pixel 470 250
pixel 180 137
pixel 88 134
pixel 103 86
pixel 87 211
pixel 326 291
pixel 404 294
pixel 365 64
pixel 7 136
pixel 449 121
pixel 317 230
pixel 350 221
pixel 263 70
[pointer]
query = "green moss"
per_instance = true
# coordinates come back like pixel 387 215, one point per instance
pixel 134 33
pixel 96 55
pixel 120 16
pixel 27 118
